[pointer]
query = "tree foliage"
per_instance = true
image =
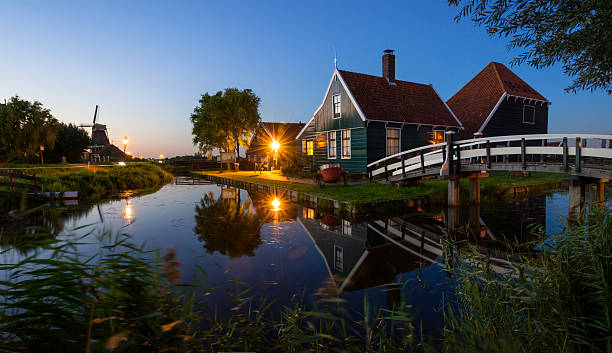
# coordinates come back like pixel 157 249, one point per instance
pixel 70 143
pixel 24 126
pixel 575 33
pixel 225 120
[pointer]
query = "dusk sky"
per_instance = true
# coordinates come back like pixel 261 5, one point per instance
pixel 146 63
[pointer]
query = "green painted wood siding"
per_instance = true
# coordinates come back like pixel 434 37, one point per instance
pixel 324 122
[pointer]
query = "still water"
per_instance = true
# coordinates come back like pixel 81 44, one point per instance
pixel 287 251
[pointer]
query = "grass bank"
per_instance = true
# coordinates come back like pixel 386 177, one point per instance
pixel 493 187
pixel 100 180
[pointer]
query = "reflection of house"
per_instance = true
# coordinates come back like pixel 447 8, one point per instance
pixel 265 133
pixel 364 118
pixel 356 257
pixel 496 102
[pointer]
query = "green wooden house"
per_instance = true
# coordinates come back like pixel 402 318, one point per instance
pixel 364 118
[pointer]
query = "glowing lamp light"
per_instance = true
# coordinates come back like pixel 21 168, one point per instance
pixel 161 156
pixel 128 153
pixel 275 204
pixel 275 145
pixel 125 140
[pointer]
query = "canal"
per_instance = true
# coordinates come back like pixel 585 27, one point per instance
pixel 229 238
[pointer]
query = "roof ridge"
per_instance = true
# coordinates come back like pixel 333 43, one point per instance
pixel 380 77
pixel 470 81
pixel 501 83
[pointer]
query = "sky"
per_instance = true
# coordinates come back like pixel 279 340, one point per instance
pixel 146 63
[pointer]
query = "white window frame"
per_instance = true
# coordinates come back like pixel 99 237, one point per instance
pixel 338 258
pixel 339 106
pixel 329 145
pixel 399 135
pixel 343 155
pixel 533 117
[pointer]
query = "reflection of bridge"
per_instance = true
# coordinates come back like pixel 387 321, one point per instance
pixel 551 153
pixel 364 255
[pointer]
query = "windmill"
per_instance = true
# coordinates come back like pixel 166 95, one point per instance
pixel 99 134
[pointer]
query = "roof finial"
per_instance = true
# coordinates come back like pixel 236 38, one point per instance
pixel 335 59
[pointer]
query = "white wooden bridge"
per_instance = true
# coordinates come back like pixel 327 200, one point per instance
pixel 587 157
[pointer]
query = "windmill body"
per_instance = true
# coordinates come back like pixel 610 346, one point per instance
pixel 101 149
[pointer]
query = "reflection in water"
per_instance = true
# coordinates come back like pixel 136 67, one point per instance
pixel 226 226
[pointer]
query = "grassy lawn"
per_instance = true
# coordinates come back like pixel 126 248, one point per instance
pixel 97 180
pixel 494 186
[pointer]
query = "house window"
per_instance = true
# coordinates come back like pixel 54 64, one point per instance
pixel 338 258
pixel 393 141
pixel 437 137
pixel 528 114
pixel 346 143
pixel 331 145
pixel 309 147
pixel 304 146
pixel 346 228
pixel 337 106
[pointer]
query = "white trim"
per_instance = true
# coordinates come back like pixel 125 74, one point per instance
pixel 447 107
pixel 320 106
pixel 339 95
pixel 342 156
pixel 534 114
pixel 530 99
pixel 335 143
pixel 348 92
pixel 387 138
pixel 499 102
pixel 409 123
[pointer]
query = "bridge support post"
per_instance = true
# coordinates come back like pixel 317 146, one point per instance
pixel 475 188
pixel 453 191
pixel 576 196
pixel 596 192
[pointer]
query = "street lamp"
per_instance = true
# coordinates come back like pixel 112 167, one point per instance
pixel 275 146
pixel 125 142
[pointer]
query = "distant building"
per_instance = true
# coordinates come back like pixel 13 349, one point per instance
pixel 496 102
pixel 284 133
pixel 364 118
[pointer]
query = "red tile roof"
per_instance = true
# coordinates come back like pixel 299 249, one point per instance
pixel 403 102
pixel 473 103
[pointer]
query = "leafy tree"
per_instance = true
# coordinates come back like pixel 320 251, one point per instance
pixel 24 126
pixel 575 33
pixel 225 120
pixel 70 143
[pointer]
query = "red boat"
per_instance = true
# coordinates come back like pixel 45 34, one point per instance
pixel 331 173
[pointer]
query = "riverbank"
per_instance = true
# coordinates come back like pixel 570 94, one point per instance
pixel 495 186
pixel 94 181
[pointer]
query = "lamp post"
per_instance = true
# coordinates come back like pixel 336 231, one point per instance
pixel 275 146
pixel 125 142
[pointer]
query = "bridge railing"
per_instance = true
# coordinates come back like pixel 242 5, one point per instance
pixel 570 151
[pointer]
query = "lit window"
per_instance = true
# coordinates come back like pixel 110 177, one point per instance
pixel 337 106
pixel 437 137
pixel 528 114
pixel 393 141
pixel 310 147
pixel 331 145
pixel 346 143
pixel 304 146
pixel 346 227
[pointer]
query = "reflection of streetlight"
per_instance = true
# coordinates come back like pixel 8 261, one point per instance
pixel 275 204
pixel 128 210
pixel 125 142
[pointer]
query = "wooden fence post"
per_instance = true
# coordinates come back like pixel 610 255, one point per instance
pixel 523 154
pixel 565 155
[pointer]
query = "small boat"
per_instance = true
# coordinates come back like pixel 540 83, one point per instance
pixel 331 172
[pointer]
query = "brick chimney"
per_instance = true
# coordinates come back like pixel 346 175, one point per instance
pixel 388 65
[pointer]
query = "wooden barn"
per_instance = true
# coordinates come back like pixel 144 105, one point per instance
pixel 364 118
pixel 496 102
pixel 266 132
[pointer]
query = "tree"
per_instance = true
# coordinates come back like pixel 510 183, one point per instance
pixel 227 227
pixel 575 33
pixel 225 120
pixel 70 143
pixel 24 126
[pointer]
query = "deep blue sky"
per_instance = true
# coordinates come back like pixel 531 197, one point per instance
pixel 146 63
